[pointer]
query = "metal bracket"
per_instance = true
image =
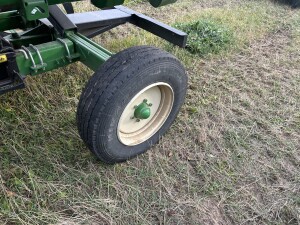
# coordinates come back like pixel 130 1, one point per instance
pixel 33 10
pixel 31 58
pixel 24 53
pixel 42 65
pixel 69 57
pixel 34 66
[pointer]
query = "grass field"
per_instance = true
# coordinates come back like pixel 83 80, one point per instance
pixel 231 157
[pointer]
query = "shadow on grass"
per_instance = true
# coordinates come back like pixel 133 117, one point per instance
pixel 292 3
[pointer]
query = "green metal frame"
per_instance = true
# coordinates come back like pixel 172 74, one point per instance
pixel 91 53
pixel 59 53
pixel 32 10
pixel 44 51
pixel 39 48
pixel 10 20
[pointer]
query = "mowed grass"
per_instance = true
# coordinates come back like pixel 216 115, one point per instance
pixel 231 157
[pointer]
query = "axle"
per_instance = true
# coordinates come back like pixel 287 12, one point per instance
pixel 133 96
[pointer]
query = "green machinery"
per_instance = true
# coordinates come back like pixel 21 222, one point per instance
pixel 133 96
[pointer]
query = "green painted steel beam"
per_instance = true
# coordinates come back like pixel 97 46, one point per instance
pixel 11 3
pixel 53 54
pixel 10 20
pixel 91 54
pixel 30 10
pixel 17 3
pixel 41 58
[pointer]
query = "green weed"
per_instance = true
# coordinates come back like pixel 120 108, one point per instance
pixel 206 36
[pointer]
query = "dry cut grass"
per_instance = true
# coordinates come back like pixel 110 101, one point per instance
pixel 231 157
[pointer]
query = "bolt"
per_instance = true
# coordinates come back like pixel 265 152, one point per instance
pixel 145 100
pixel 138 120
pixel 150 104
pixel 135 106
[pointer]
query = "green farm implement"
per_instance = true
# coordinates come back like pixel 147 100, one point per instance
pixel 133 96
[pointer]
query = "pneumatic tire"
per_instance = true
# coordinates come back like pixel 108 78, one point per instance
pixel 130 102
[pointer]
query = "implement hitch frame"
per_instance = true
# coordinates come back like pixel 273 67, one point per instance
pixel 36 36
pixel 64 38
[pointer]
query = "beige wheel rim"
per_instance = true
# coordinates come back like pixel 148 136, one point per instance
pixel 132 131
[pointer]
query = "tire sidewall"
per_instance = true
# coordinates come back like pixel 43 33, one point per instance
pixel 106 134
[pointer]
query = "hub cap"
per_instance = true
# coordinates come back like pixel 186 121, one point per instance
pixel 145 114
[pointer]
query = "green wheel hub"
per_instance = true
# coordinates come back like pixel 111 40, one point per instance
pixel 143 111
pixel 145 114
